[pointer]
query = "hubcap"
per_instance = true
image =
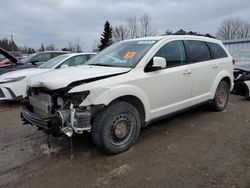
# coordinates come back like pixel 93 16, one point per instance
pixel 122 128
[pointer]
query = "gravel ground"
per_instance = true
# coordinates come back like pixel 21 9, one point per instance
pixel 198 148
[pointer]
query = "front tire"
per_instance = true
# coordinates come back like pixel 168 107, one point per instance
pixel 116 128
pixel 221 96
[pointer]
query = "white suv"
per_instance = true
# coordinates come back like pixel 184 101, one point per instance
pixel 129 85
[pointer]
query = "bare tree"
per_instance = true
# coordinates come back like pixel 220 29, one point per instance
pixel 95 46
pixel 233 28
pixel 120 32
pixel 168 32
pixel 75 46
pixel 145 26
pixel 244 30
pixel 140 27
pixel 50 47
pixel 133 27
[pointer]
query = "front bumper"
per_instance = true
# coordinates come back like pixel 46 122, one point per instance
pixel 48 125
pixel 241 83
pixel 241 88
pixel 59 123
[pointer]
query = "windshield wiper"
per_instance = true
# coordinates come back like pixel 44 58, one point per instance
pixel 100 64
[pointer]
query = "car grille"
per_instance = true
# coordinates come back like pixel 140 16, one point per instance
pixel 1 94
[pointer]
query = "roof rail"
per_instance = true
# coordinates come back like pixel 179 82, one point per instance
pixel 195 34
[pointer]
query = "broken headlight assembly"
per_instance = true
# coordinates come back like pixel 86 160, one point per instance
pixel 77 98
pixel 64 101
pixel 74 119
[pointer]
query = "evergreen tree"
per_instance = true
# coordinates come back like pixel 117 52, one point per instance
pixel 106 37
pixel 8 45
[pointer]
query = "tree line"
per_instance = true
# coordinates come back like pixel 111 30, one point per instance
pixel 135 27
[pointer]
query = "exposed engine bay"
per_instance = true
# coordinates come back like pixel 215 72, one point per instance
pixel 242 82
pixel 57 112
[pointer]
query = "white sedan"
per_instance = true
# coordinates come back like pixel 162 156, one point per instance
pixel 13 85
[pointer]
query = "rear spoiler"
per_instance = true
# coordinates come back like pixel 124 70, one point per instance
pixel 9 56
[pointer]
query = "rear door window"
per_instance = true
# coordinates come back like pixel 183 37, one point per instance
pixel 197 51
pixel 216 50
pixel 42 57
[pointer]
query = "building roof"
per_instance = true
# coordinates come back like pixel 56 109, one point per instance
pixel 234 41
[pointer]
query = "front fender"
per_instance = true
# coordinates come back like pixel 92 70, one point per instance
pixel 106 95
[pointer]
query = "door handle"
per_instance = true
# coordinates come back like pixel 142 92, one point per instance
pixel 215 66
pixel 186 72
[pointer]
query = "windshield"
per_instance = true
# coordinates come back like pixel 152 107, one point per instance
pixel 122 54
pixel 242 56
pixel 27 59
pixel 53 62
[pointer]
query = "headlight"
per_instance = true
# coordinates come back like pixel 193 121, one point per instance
pixel 9 80
pixel 77 98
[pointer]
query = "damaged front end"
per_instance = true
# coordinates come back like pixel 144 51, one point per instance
pixel 57 112
pixel 241 82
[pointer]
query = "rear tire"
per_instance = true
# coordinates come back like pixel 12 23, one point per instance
pixel 221 96
pixel 116 128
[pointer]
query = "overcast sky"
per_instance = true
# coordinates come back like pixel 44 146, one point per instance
pixel 32 22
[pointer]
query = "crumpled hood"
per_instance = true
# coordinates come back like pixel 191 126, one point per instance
pixel 22 72
pixel 242 65
pixel 60 78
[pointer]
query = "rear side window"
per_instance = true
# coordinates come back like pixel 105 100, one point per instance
pixel 197 51
pixel 173 52
pixel 74 61
pixel 216 50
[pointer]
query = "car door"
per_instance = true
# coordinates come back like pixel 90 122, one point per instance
pixel 199 58
pixel 170 88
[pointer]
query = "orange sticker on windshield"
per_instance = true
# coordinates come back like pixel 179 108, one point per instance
pixel 129 55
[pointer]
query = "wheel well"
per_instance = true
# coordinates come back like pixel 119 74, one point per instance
pixel 136 102
pixel 227 79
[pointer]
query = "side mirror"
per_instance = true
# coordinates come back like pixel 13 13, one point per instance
pixel 158 64
pixel 64 66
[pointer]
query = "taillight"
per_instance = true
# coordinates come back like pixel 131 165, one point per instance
pixel 233 61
